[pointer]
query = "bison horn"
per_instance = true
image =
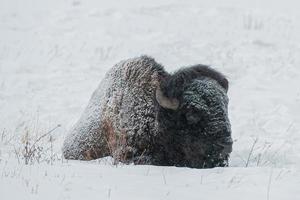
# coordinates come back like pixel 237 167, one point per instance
pixel 166 102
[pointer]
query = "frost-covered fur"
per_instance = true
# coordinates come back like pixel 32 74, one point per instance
pixel 124 118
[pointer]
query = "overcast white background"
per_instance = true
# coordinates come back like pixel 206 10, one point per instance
pixel 54 53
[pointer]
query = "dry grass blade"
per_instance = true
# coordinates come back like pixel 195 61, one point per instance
pixel 251 152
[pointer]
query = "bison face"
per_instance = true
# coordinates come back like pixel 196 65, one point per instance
pixel 196 125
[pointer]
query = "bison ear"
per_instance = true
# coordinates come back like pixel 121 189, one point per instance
pixel 165 102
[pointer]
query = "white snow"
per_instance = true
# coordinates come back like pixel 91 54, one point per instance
pixel 54 53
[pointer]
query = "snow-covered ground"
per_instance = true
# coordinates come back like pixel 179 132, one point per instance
pixel 53 54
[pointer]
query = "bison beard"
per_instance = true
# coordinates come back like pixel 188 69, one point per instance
pixel 142 114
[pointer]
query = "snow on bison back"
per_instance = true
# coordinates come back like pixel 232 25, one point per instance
pixel 142 114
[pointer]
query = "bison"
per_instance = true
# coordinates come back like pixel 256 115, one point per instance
pixel 141 114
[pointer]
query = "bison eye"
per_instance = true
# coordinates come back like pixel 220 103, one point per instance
pixel 194 116
pixel 191 119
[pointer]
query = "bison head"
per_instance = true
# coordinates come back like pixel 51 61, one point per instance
pixel 193 119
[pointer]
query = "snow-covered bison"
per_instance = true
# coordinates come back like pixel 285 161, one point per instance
pixel 142 114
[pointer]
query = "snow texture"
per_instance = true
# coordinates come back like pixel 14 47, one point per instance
pixel 53 53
